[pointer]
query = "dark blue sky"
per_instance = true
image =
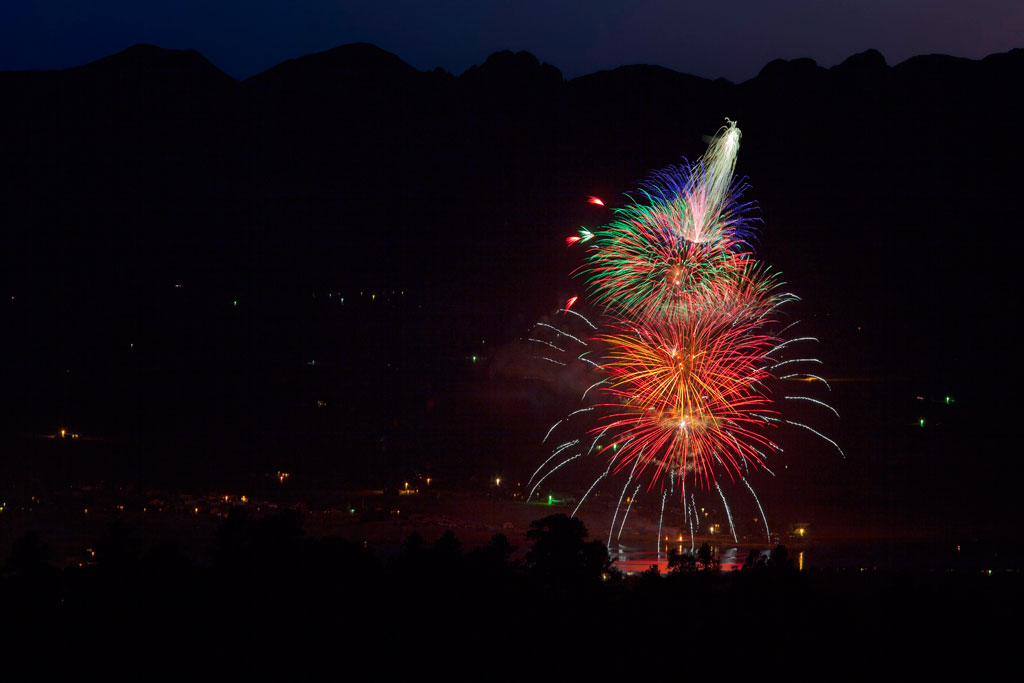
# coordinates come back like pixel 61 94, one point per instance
pixel 732 39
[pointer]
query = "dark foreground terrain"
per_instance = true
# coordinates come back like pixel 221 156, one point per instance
pixel 266 595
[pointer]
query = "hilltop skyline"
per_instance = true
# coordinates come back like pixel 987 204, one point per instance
pixel 711 42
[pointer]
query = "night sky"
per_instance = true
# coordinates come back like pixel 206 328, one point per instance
pixel 732 40
pixel 181 245
pixel 287 367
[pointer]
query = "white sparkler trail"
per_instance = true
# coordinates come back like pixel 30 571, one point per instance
pixel 611 527
pixel 553 470
pixel 795 360
pixel 595 384
pixel 609 469
pixel 693 541
pixel 597 438
pixel 720 163
pixel 791 341
pixel 765 519
pixel 551 430
pixel 661 518
pixel 629 506
pixel 813 400
pixel 546 343
pixel 563 333
pixel 728 513
pixel 813 431
pixel 559 449
pixel 581 317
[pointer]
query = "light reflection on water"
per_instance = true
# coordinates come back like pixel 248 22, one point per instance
pixel 928 555
pixel 631 559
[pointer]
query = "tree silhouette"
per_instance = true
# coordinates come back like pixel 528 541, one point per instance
pixel 448 548
pixel 120 549
pixel 34 584
pixel 490 561
pixel 650 574
pixel 706 560
pixel 234 537
pixel 755 561
pixel 497 550
pixel 779 560
pixel 29 555
pixel 681 563
pixel 561 554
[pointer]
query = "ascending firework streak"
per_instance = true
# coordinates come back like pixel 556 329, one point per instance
pixel 684 355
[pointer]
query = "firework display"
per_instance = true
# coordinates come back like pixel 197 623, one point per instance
pixel 686 356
